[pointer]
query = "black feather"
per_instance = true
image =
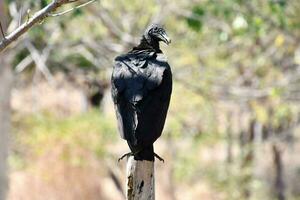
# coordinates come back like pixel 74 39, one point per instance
pixel 141 90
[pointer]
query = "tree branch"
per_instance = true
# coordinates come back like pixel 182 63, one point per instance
pixel 71 9
pixel 20 16
pixel 2 32
pixel 37 17
pixel 40 60
pixel 23 64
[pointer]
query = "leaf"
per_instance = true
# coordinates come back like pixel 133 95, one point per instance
pixel 43 3
pixel 77 13
pixel 195 21
pixel 194 24
pixel 276 92
pixel 279 40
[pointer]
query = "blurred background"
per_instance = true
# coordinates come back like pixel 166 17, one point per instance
pixel 232 131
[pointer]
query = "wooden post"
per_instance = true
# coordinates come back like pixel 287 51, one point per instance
pixel 140 180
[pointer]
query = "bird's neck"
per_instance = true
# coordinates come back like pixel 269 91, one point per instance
pixel 148 43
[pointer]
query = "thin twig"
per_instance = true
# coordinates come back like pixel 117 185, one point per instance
pixel 113 29
pixel 2 32
pixel 20 16
pixel 71 9
pixel 28 15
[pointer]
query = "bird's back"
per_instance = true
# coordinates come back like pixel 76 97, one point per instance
pixel 141 89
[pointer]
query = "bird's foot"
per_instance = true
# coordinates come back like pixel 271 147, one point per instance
pixel 159 158
pixel 125 155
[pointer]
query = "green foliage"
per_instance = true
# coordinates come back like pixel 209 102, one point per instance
pixel 195 22
pixel 20 55
pixel 38 36
pixel 44 3
pixel 90 132
pixel 80 61
pixel 186 166
pixel 282 115
pixel 77 12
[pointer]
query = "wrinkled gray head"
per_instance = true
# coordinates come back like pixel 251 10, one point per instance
pixel 155 32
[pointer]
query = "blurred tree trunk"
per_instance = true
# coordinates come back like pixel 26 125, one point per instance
pixel 247 149
pixel 5 91
pixel 229 157
pixel 278 165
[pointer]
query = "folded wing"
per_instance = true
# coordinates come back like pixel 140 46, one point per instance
pixel 141 89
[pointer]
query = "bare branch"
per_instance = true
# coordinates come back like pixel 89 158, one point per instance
pixel 23 64
pixel 37 17
pixel 71 9
pixel 2 32
pixel 20 16
pixel 110 24
pixel 40 60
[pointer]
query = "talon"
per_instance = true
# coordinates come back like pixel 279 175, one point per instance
pixel 125 155
pixel 159 158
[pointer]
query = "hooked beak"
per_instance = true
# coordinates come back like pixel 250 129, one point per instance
pixel 165 38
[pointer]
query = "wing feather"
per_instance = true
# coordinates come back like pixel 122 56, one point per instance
pixel 134 84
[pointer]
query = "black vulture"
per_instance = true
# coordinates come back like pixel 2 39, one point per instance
pixel 141 91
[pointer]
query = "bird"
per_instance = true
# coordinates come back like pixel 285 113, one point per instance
pixel 141 91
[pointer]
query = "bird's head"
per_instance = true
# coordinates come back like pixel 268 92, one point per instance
pixel 155 32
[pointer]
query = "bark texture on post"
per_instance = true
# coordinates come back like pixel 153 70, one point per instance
pixel 140 180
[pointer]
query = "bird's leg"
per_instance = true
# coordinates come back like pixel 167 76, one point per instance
pixel 132 154
pixel 125 155
pixel 159 158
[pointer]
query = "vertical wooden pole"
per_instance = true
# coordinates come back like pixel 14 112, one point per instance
pixel 140 180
